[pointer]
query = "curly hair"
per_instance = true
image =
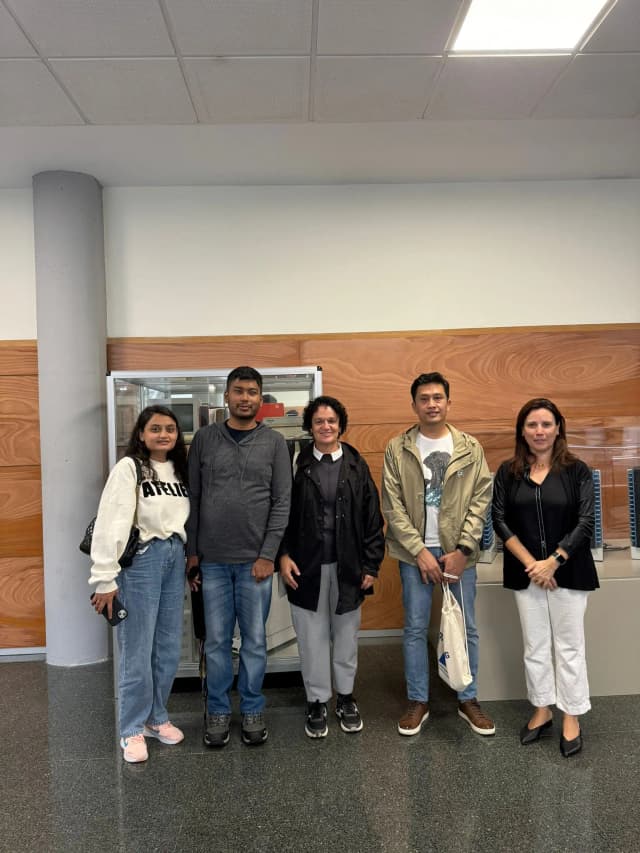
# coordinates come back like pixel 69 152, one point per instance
pixel 136 448
pixel 331 402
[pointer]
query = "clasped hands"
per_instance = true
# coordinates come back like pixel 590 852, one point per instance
pixel 542 572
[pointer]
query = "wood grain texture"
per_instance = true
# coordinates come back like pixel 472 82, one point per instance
pixel 18 358
pixel 591 372
pixel 383 609
pixel 20 512
pixel 19 421
pixel 22 622
pixel 21 569
pixel 201 353
pixel 491 374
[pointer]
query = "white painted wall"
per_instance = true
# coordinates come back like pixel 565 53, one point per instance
pixel 260 260
pixel 267 260
pixel 17 266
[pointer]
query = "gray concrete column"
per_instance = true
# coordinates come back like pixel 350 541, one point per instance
pixel 71 318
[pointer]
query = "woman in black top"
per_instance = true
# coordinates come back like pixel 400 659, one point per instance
pixel 543 510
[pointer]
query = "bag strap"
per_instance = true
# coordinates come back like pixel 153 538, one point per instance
pixel 136 462
pixel 446 592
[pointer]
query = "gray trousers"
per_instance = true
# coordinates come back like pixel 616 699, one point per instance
pixel 322 632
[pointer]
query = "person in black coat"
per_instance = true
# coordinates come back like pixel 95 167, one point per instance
pixel 330 555
pixel 543 510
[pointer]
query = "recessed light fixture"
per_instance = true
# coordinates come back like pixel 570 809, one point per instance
pixel 525 25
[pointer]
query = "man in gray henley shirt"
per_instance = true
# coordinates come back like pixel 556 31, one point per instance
pixel 240 488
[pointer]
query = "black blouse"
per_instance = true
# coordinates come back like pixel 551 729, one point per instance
pixel 559 512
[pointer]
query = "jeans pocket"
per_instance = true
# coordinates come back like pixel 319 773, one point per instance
pixel 142 549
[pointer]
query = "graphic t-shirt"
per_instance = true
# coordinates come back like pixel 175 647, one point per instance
pixel 435 454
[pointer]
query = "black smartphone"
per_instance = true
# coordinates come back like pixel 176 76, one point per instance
pixel 118 610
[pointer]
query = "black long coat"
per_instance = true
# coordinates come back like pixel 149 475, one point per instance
pixel 359 536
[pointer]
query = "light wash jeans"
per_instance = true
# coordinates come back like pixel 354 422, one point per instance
pixel 150 638
pixel 416 599
pixel 230 592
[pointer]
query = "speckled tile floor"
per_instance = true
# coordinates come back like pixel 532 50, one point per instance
pixel 66 788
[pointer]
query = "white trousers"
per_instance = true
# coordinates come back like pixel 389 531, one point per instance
pixel 554 617
pixel 322 632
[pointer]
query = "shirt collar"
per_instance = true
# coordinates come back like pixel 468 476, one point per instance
pixel 337 454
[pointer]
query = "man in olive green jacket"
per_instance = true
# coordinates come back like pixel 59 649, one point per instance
pixel 436 490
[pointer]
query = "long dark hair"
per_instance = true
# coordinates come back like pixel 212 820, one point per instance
pixel 561 456
pixel 137 448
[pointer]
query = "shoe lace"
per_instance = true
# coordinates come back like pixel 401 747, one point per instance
pixel 253 718
pixel 217 719
pixel 135 739
pixel 476 710
pixel 317 710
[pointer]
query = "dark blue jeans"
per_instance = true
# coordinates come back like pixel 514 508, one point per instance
pixel 230 592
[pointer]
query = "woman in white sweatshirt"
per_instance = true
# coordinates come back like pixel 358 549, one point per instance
pixel 152 587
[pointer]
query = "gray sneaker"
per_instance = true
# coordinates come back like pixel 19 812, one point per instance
pixel 254 730
pixel 216 730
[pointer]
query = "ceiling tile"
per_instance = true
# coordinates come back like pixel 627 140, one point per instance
pixel 619 31
pixel 384 27
pixel 232 27
pixel 249 88
pixel 373 88
pixel 13 44
pixel 506 87
pixel 94 27
pixel 597 85
pixel 29 95
pixel 127 91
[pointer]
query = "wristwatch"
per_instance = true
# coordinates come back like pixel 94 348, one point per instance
pixel 465 550
pixel 560 560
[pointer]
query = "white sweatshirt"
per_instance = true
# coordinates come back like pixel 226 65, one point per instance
pixel 162 510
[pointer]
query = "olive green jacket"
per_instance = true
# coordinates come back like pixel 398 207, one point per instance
pixel 466 495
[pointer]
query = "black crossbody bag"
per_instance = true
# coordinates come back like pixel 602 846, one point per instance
pixel 134 534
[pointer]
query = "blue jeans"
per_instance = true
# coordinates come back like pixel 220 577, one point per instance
pixel 416 599
pixel 150 638
pixel 230 592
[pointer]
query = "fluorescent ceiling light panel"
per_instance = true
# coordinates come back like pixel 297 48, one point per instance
pixel 517 25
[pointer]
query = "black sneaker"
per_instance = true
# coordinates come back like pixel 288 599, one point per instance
pixel 348 714
pixel 216 729
pixel 316 725
pixel 254 730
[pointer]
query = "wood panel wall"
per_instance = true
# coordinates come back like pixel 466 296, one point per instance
pixel 591 372
pixel 21 568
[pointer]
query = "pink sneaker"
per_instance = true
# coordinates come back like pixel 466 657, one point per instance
pixel 134 749
pixel 165 733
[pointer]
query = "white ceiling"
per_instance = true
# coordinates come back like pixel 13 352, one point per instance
pixel 304 91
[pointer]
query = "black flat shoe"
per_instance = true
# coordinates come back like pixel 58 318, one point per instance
pixel 570 747
pixel 528 735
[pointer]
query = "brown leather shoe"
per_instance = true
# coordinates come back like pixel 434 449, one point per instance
pixel 480 722
pixel 416 714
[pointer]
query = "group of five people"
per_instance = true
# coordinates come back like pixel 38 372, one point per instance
pixel 244 518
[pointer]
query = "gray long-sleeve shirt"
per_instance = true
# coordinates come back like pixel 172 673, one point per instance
pixel 240 494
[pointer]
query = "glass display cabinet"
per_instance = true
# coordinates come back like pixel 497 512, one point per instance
pixel 197 399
